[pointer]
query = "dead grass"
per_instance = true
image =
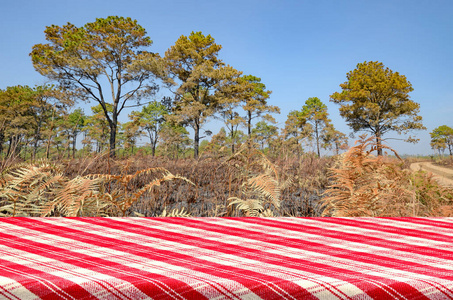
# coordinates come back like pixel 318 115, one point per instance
pixel 365 185
pixel 248 183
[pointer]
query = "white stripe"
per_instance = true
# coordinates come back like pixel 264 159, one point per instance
pixel 216 257
pixel 93 282
pixel 188 276
pixel 13 289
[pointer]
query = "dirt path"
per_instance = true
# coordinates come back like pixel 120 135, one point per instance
pixel 443 175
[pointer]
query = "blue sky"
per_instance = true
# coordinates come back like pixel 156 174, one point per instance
pixel 300 49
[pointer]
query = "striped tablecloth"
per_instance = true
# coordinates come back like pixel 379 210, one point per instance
pixel 226 258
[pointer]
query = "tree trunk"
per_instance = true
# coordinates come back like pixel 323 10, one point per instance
pixel 74 140
pixel 249 124
pixel 196 140
pixel 317 139
pixel 112 140
pixel 232 141
pixel 379 143
pixel 10 146
pixel 153 142
pixel 49 141
pixel 2 139
pixel 35 148
pixel 68 148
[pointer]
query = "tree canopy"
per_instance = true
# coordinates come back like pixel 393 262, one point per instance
pixel 442 138
pixel 255 101
pixel 315 113
pixel 376 99
pixel 104 59
pixel 150 120
pixel 201 79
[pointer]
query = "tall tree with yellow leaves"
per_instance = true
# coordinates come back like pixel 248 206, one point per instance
pixel 376 99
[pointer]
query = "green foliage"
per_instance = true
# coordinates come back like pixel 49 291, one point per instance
pixel 130 131
pixel 334 139
pixel 376 99
pixel 295 132
pixel 72 125
pixel 27 115
pixel 315 113
pixel 264 133
pixel 202 80
pixel 97 128
pixel 110 49
pixel 150 120
pixel 442 138
pixel 174 140
pixel 255 98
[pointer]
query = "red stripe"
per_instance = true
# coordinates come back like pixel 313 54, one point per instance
pixel 352 237
pixel 34 281
pixel 222 247
pixel 343 274
pixel 256 282
pixel 4 293
pixel 388 229
pixel 149 287
pixel 216 246
pixel 270 257
pixel 423 221
pixel 384 261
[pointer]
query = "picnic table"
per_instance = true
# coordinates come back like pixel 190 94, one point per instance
pixel 226 258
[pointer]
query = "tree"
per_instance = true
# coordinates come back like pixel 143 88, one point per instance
pixel 129 134
pixel 201 77
pixel 263 133
pixel 255 101
pixel 25 114
pixel 232 121
pixel 75 122
pixel 174 139
pixel 150 119
pixel 315 113
pixel 218 143
pixel 333 138
pixel 110 50
pixel 296 131
pixel 442 138
pixel 16 117
pixel 97 127
pixel 376 99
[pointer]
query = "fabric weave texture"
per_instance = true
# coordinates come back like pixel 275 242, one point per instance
pixel 226 258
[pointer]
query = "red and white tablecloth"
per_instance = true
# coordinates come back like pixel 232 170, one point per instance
pixel 226 258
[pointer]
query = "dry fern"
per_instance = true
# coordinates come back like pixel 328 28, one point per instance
pixel 365 185
pixel 124 195
pixel 175 213
pixel 261 188
pixel 42 190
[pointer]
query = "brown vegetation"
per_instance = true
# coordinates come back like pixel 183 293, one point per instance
pixel 365 185
pixel 245 184
pixel 145 186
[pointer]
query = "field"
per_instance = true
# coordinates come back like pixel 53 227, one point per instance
pixel 248 183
